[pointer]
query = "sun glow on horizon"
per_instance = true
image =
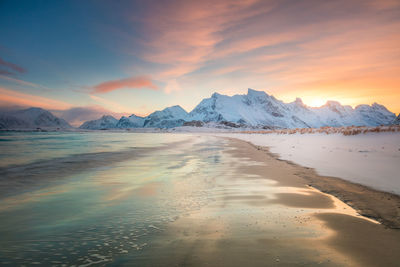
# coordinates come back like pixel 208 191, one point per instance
pixel 316 102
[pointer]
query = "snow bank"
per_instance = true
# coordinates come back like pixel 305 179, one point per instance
pixel 371 159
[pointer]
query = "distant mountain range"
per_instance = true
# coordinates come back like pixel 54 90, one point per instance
pixel 255 109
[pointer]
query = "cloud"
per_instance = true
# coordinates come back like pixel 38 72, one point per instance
pixel 5 72
pixel 13 98
pixel 181 35
pixel 12 66
pixel 187 36
pixel 21 82
pixel 139 82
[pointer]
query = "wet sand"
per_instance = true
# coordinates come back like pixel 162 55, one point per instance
pixel 265 214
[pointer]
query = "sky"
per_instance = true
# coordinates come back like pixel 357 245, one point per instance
pixel 82 59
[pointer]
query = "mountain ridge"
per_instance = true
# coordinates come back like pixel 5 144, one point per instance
pixel 256 109
pixel 259 109
pixel 31 118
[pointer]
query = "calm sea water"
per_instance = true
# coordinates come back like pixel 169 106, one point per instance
pixel 96 215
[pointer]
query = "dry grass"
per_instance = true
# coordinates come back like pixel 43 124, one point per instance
pixel 348 130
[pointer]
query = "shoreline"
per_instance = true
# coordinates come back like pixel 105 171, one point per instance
pixel 381 206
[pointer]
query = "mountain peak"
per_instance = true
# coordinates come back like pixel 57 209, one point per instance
pixel 105 122
pixel 34 109
pixel 252 92
pixel 134 116
pixel 176 108
pixel 105 117
pixel 299 102
pixel 332 103
pixel 215 95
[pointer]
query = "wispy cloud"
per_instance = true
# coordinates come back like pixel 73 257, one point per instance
pixel 141 82
pixel 182 35
pixel 22 82
pixel 12 66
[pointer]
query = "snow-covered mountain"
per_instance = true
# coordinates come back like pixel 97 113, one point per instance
pixel 105 122
pixel 254 109
pixel 132 121
pixel 374 115
pixel 30 118
pixel 167 118
pixel 258 109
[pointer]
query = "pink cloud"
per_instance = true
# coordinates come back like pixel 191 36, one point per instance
pixel 132 83
pixel 183 34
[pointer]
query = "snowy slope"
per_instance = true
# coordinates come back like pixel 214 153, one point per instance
pixel 105 122
pixel 30 118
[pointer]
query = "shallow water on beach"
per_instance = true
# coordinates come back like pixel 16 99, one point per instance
pixel 181 202
pixel 26 147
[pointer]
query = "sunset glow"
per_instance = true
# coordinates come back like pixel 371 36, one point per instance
pixel 146 55
pixel 316 102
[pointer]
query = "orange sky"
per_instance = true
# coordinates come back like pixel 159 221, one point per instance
pixel 144 56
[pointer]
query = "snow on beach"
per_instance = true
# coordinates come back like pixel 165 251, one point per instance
pixel 371 159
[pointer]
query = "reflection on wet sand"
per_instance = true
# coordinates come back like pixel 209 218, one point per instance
pixel 205 202
pixel 263 214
